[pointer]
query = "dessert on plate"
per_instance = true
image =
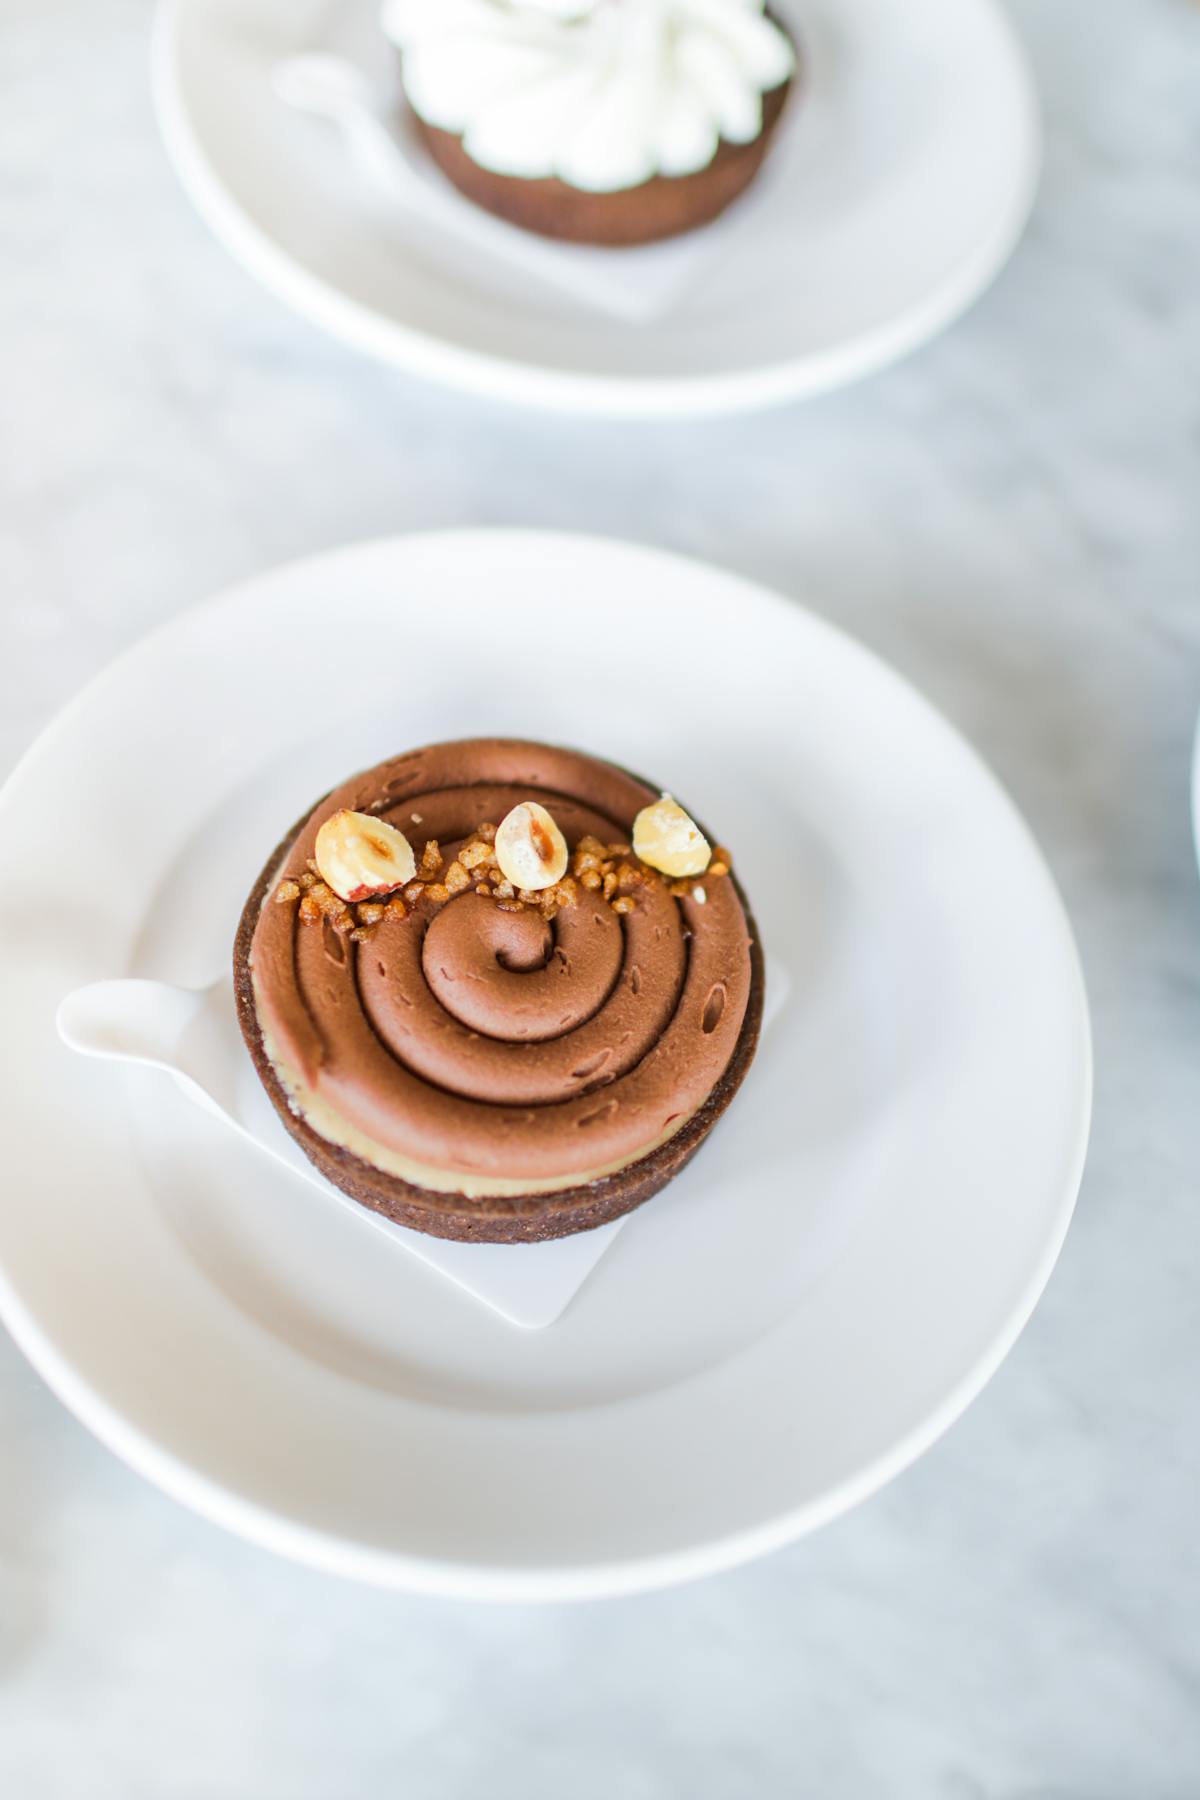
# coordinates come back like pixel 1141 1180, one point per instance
pixel 599 121
pixel 498 991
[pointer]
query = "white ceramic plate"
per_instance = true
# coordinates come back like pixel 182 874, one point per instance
pixel 901 180
pixel 789 1324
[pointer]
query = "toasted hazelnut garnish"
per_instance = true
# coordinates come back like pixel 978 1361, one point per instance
pixel 531 850
pixel 360 856
pixel 669 840
pixel 362 863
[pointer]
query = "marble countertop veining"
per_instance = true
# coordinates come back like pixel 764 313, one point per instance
pixel 1012 517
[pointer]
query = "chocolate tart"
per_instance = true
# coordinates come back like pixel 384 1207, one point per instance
pixel 663 207
pixel 413 1031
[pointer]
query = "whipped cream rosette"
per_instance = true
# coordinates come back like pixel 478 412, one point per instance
pixel 603 100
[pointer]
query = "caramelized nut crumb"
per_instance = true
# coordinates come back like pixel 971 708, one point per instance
pixel 611 871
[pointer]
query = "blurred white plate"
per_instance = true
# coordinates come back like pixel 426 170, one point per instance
pixel 902 178
pixel 804 1310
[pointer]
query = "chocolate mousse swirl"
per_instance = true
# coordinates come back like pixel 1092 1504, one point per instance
pixel 474 1042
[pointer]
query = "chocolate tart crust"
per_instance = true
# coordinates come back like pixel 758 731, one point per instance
pixel 662 207
pixel 507 1219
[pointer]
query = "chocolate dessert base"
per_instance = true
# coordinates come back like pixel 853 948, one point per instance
pixel 662 207
pixel 507 1219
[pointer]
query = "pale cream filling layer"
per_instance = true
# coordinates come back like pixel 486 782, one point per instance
pixel 328 1123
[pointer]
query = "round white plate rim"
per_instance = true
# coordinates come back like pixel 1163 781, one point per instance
pixel 476 371
pixel 336 1554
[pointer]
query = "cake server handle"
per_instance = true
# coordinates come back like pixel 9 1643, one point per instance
pixel 331 88
pixel 159 1025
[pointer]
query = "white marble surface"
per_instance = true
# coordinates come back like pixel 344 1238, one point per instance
pixel 1013 517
